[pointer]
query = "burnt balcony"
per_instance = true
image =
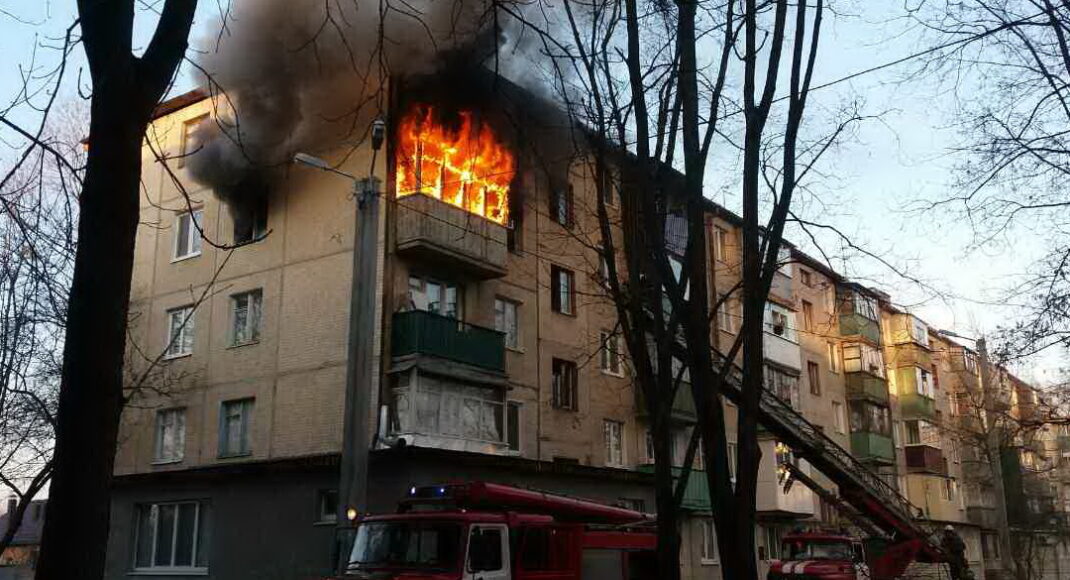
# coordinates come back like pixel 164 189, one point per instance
pixel 424 333
pixel 872 447
pixel 925 459
pixel 450 237
pixel 863 385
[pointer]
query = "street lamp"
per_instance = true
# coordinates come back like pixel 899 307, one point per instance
pixel 356 443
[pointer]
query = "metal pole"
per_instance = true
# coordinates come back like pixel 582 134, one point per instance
pixel 356 444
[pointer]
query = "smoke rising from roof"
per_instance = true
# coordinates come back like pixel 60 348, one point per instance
pixel 293 75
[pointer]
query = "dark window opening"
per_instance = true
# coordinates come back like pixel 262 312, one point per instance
pixel 250 218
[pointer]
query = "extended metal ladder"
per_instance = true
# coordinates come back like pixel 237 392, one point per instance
pixel 861 488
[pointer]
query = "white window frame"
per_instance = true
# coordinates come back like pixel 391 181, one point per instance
pixel 614 450
pixel 173 418
pixel 152 568
pixel 254 308
pixel 720 244
pixel 775 313
pixel 177 344
pixel 834 358
pixel 245 408
pixel 839 417
pixel 709 541
pixel 189 127
pixel 418 286
pixel 919 331
pixel 870 359
pixel 866 307
pixel 185 221
pixel 610 358
pixel 725 317
pixel 502 308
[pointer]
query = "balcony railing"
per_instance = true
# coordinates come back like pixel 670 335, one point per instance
pixel 440 233
pixel 854 324
pixel 419 332
pixel 683 406
pixel 867 386
pixel 910 354
pixel 925 459
pixel 696 493
pixel 915 406
pixel 868 446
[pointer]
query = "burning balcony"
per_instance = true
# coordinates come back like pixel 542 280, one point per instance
pixel 453 180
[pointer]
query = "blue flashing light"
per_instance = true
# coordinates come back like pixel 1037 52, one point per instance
pixel 441 491
pixel 412 490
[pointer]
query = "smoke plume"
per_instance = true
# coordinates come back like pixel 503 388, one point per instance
pixel 292 75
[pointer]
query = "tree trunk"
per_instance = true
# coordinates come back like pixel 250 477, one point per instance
pixel 91 393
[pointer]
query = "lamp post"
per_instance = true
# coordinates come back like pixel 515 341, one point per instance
pixel 356 443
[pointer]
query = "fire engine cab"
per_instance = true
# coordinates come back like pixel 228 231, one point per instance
pixel 487 531
pixel 817 556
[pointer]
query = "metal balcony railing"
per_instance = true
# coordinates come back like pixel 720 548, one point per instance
pixel 420 332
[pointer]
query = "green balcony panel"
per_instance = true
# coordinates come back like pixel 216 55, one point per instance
pixel 867 386
pixel 696 494
pixel 917 407
pixel 872 446
pixel 854 324
pixel 419 332
pixel 683 406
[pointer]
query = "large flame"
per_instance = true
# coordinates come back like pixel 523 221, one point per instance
pixel 467 167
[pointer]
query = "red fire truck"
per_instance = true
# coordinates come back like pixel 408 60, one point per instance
pixel 825 556
pixel 487 531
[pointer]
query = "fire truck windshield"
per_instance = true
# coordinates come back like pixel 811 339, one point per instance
pixel 406 544
pixel 811 550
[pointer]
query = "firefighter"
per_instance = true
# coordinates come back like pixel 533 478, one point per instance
pixel 955 549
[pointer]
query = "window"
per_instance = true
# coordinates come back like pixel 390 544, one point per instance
pixel 709 542
pixel 561 206
pixel 866 306
pixel 771 535
pixel 779 321
pixel 514 233
pixel 725 318
pixel 869 418
pixel 834 359
pixel 505 320
pixel 898 434
pixel 234 421
pixel 808 315
pixel 564 384
pixel 170 537
pixel 170 435
pixel 990 546
pixel 783 384
pixel 732 454
pixel 245 320
pixel 190 144
pixel 512 425
pixel 838 417
pixel 187 236
pixel 936 378
pixel 948 489
pixel 649 445
pixel 563 289
pixel 610 353
pixel 636 504
pixel 806 277
pixel 863 358
pixel 327 506
pixel 813 372
pixel 608 186
pixel 720 244
pixel 179 332
pixel 613 435
pixel 925 384
pixel 433 296
pixel 251 217
pixel 919 332
pixel 485 550
pixel 913 432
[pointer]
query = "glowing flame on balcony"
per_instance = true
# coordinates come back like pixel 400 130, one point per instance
pixel 467 167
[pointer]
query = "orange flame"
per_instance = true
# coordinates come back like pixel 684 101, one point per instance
pixel 468 167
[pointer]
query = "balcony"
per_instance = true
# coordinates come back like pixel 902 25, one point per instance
pixel 696 493
pixel 683 406
pixel 422 333
pixel 910 354
pixel 450 237
pixel 914 406
pixel 854 324
pixel 868 446
pixel 867 386
pixel 925 459
pixel 983 516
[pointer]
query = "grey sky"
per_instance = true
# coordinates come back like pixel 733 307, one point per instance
pixel 867 182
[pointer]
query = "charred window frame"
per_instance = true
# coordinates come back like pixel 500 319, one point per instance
pixel 250 218
pixel 514 238
pixel 189 144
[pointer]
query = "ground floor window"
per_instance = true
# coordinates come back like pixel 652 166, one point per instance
pixel 171 537
pixel 770 536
